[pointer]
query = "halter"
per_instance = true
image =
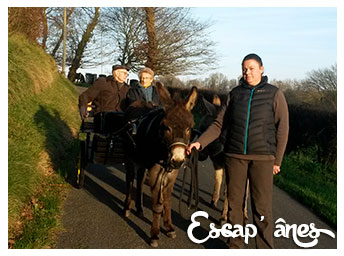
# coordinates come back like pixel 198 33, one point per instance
pixel 178 143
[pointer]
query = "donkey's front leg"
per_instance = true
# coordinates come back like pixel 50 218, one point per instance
pixel 170 180
pixel 155 179
pixel 155 229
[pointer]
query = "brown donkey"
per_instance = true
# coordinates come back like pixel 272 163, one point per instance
pixel 159 144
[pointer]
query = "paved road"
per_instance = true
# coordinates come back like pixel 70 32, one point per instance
pixel 93 215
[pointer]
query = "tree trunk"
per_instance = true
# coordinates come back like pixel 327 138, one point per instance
pixel 152 42
pixel 82 45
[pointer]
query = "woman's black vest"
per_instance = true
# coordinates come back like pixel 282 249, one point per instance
pixel 249 122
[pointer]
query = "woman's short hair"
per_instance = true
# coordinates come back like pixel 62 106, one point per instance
pixel 252 56
pixel 146 70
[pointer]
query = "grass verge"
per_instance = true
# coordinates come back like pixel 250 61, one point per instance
pixel 43 121
pixel 311 183
pixel 41 216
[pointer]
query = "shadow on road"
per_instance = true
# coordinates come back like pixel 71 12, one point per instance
pixel 116 204
pixel 113 203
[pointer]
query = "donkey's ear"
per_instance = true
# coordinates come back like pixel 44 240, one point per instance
pixel 165 96
pixel 191 100
pixel 210 108
pixel 216 100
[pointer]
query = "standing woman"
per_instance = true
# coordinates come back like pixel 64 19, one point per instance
pixel 254 124
pixel 146 90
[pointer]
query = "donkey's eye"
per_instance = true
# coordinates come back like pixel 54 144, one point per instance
pixel 187 131
pixel 168 129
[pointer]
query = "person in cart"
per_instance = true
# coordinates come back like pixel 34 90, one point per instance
pixel 108 94
pixel 145 90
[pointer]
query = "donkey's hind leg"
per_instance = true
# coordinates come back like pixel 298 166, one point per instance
pixel 217 161
pixel 217 187
pixel 141 175
pixel 129 178
pixel 224 213
pixel 245 202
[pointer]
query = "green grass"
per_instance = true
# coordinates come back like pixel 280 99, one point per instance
pixel 43 121
pixel 40 230
pixel 311 183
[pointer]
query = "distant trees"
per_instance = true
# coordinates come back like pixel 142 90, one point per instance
pixel 168 40
pixel 324 83
pixel 318 90
pixel 323 79
pixel 218 81
pixel 171 81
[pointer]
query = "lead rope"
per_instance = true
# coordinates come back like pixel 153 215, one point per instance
pixel 194 177
pixel 193 192
pixel 182 190
pixel 162 176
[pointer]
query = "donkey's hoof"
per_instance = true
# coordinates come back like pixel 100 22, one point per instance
pixel 222 222
pixel 126 213
pixel 213 204
pixel 245 221
pixel 171 234
pixel 140 214
pixel 154 243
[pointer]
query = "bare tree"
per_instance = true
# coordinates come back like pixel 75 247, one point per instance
pixel 124 27
pixel 87 35
pixel 324 82
pixel 166 39
pixel 217 81
pixel 323 79
pixel 183 46
pixel 171 81
pixel 194 82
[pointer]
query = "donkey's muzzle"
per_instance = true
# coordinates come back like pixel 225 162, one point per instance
pixel 178 154
pixel 176 164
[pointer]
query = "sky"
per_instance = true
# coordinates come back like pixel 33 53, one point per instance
pixel 292 41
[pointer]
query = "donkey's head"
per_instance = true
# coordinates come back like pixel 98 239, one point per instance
pixel 177 124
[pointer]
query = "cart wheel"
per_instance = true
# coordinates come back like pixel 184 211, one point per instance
pixel 82 159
